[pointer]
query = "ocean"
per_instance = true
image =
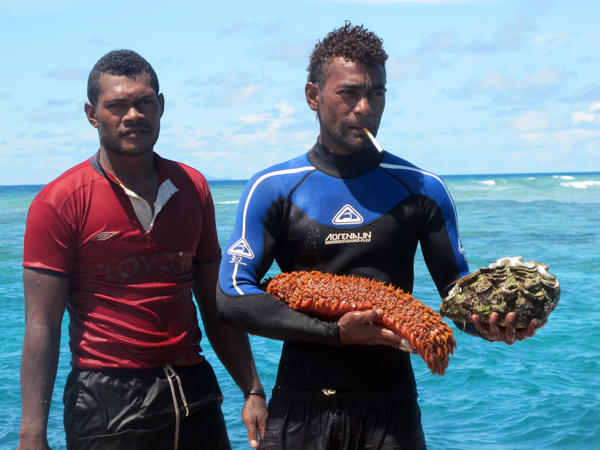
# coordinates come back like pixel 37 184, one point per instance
pixel 542 393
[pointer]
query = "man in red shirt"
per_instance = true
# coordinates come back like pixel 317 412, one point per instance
pixel 120 241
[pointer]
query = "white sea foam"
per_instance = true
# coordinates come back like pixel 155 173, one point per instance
pixel 227 203
pixel 581 184
pixel 564 177
pixel 486 182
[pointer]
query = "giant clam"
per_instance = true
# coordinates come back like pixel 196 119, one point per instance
pixel 331 296
pixel 508 285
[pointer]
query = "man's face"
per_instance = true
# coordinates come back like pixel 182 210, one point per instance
pixel 127 115
pixel 353 98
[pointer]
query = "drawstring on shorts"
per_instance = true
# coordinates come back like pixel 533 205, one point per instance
pixel 171 375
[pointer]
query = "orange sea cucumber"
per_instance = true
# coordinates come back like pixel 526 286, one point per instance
pixel 331 296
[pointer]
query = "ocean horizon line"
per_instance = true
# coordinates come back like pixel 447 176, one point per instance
pixel 242 180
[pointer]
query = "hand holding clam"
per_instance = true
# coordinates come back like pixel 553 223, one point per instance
pixel 509 333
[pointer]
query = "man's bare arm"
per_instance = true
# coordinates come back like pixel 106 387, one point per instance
pixel 45 301
pixel 232 347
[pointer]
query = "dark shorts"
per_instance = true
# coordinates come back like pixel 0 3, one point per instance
pixel 134 409
pixel 382 420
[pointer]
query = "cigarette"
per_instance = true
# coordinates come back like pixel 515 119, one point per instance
pixel 375 143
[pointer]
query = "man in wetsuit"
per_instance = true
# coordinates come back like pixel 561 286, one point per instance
pixel 120 241
pixel 343 208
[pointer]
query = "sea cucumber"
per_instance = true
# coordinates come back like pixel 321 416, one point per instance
pixel 331 296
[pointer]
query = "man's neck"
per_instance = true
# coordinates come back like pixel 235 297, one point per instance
pixel 137 173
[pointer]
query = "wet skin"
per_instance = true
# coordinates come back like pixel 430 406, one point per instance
pixel 508 334
pixel 127 115
pixel 353 98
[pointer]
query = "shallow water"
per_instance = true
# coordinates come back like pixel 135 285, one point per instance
pixel 543 393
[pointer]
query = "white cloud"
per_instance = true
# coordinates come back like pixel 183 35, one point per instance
pixel 233 97
pixel 565 137
pixel 512 35
pixel 592 148
pixel 545 78
pixel 297 52
pixel 410 67
pixel 255 118
pixel 582 116
pixel 285 109
pixel 232 79
pixel 589 93
pixel 554 40
pixel 516 90
pixel 241 149
pixel 582 131
pixel 232 88
pixel 267 128
pixel 47 115
pixel 530 121
pixel 68 73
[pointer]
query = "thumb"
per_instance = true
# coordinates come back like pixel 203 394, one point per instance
pixel 370 316
pixel 252 437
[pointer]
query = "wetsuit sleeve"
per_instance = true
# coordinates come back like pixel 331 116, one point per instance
pixel 441 245
pixel 50 239
pixel 250 253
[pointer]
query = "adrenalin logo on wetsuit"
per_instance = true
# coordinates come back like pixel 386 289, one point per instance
pixel 346 216
pixel 241 248
pixel 348 238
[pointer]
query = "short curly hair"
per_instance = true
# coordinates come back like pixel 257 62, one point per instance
pixel 353 43
pixel 120 63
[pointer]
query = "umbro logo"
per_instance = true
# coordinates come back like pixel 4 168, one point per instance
pixel 241 248
pixel 104 235
pixel 347 216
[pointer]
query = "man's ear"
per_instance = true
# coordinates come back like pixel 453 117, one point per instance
pixel 313 96
pixel 161 102
pixel 90 112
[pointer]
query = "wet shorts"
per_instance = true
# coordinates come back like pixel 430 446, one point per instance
pixel 163 408
pixel 307 420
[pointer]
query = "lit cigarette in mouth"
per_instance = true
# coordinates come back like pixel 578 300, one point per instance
pixel 375 143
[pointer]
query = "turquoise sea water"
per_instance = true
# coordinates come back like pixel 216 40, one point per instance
pixel 543 393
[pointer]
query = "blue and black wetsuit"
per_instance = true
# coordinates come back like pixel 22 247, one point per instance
pixel 361 214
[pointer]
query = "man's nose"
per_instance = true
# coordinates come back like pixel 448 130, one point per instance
pixel 133 114
pixel 363 107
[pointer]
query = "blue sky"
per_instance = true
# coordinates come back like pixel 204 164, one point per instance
pixel 474 86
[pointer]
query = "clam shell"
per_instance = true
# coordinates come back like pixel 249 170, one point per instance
pixel 508 285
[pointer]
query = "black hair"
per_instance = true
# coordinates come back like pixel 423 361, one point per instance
pixel 353 43
pixel 120 63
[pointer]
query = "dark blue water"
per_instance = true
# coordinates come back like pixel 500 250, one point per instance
pixel 543 393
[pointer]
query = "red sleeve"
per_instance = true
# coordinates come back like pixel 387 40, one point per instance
pixel 49 239
pixel 208 245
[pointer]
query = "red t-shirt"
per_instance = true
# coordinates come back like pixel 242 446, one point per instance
pixel 130 303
